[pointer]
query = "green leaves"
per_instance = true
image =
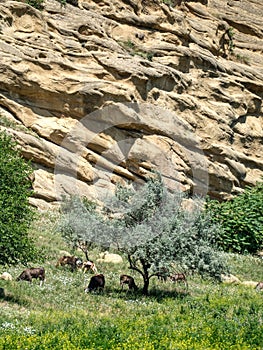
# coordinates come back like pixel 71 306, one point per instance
pixel 16 214
pixel 241 219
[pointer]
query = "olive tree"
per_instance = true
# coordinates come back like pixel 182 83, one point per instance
pixel 156 232
pixel 151 227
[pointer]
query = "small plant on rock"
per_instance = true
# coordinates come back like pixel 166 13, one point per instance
pixel 37 4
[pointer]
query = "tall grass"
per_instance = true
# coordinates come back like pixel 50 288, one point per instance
pixel 59 315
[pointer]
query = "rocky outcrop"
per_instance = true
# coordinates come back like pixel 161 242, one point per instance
pixel 107 257
pixel 104 92
pixel 6 276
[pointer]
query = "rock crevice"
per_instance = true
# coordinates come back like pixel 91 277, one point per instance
pixel 104 92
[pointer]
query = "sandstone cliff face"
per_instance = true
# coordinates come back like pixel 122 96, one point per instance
pixel 106 91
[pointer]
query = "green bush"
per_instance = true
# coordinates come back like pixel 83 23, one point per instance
pixel 241 220
pixel 16 213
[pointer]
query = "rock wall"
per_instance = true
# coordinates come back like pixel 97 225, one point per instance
pixel 104 92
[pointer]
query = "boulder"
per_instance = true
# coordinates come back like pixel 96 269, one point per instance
pixel 107 257
pixel 6 276
pixel 251 284
pixel 230 279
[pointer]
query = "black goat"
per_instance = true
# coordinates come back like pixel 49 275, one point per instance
pixel 97 282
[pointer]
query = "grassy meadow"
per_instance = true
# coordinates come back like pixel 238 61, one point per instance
pixel 59 315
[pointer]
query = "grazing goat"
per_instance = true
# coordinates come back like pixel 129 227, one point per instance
pixel 259 286
pixel 97 282
pixel 126 279
pixel 33 272
pixel 73 261
pixel 89 266
pixel 179 277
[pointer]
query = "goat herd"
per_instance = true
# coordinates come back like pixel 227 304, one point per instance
pixel 97 281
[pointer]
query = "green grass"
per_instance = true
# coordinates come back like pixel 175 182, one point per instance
pixel 60 315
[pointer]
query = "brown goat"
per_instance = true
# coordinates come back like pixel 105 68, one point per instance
pixel 179 277
pixel 126 279
pixel 73 261
pixel 97 282
pixel 89 266
pixel 33 272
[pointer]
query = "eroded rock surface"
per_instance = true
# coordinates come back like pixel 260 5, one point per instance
pixel 104 92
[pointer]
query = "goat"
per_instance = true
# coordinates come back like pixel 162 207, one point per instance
pixel 73 261
pixel 259 286
pixel 89 266
pixel 179 277
pixel 97 282
pixel 33 272
pixel 126 279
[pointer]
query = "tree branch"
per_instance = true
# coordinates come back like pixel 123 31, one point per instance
pixel 133 266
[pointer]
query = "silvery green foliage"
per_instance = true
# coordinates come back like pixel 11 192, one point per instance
pixel 81 225
pixel 152 229
pixel 173 235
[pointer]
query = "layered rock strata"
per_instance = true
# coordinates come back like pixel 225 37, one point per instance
pixel 106 91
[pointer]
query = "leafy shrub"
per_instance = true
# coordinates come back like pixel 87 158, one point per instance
pixel 16 213
pixel 241 220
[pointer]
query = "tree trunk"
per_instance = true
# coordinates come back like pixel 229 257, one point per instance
pixel 86 255
pixel 146 282
pixel 144 272
pixel 146 279
pixel 84 247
